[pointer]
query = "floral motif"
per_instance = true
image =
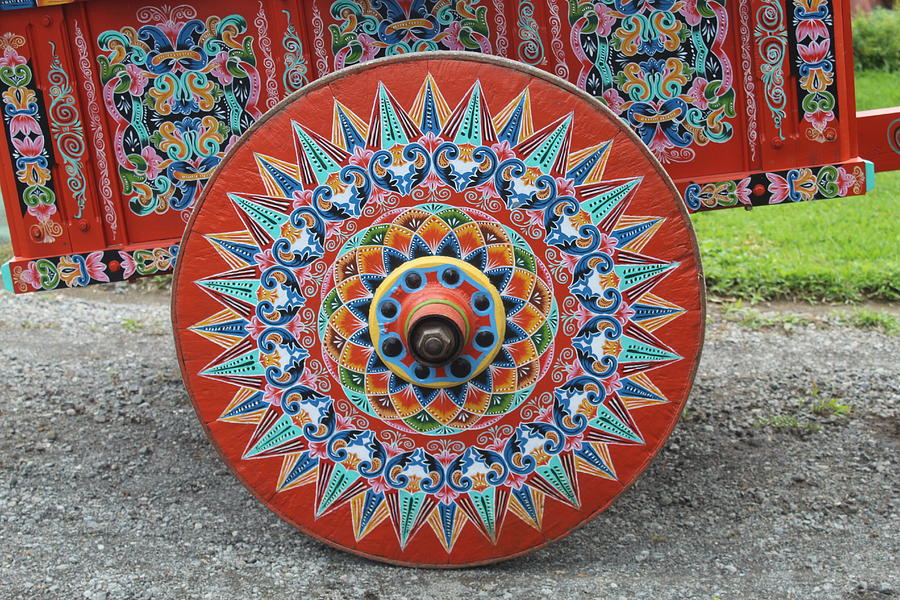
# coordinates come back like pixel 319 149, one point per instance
pixel 369 29
pixel 180 90
pixel 812 24
pixel 665 66
pixel 24 117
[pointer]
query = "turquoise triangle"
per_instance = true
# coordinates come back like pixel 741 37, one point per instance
pixel 340 480
pixel 321 164
pixel 246 364
pixel 631 275
pixel 635 351
pixel 242 289
pixel 603 203
pixel 609 422
pixel 391 130
pixel 545 155
pixel 284 430
pixel 271 221
pixel 555 474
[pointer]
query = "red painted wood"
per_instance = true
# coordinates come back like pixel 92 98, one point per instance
pixel 216 389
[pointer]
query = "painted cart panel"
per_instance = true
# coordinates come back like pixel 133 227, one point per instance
pixel 115 114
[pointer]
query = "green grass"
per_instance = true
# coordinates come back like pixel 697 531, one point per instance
pixel 841 250
pixel 877 89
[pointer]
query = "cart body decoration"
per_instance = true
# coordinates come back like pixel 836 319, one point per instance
pixel 115 113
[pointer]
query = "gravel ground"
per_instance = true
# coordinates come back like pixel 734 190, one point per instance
pixel 109 489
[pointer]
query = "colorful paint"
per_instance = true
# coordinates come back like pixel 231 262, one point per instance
pixel 660 66
pixel 295 69
pixel 26 129
pixel 89 268
pixel 296 336
pixel 812 29
pixel 369 29
pixel 98 140
pixel 531 49
pixel 65 125
pixel 771 47
pixel 180 90
pixel 793 185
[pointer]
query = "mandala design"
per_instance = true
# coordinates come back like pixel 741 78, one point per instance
pixel 526 305
pixel 513 244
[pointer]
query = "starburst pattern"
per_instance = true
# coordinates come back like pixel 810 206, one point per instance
pixel 308 395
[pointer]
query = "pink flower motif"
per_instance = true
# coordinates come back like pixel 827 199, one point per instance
pixel 778 187
pixel 612 383
pixel 546 415
pixel 128 265
pixel 812 29
pixel 42 211
pixel 219 68
pixel 503 150
pixel 138 79
pixel 379 485
pixel 430 141
pixel 582 315
pixel 697 93
pixel 573 443
pixel 318 449
pixel 606 19
pixel 360 157
pixel 608 244
pixel 255 327
pixel 96 267
pixel 451 37
pixel 264 259
pixel 311 380
pixel 29 147
pixel 24 125
pixel 302 198
pixel 819 119
pixel 153 162
pixel 845 180
pixel 272 395
pixel 344 423
pixel 565 187
pixel 446 495
pixel 11 58
pixel 516 480
pixel 369 47
pixel 487 190
pixel 574 369
pixel 743 191
pixel 624 313
pixel 445 457
pixel 814 52
pixel 690 13
pixel 432 181
pixel 30 275
pixel 613 100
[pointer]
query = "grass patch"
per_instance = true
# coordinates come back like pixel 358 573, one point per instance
pixel 6 252
pixel 842 250
pixel 754 319
pixel 873 319
pixel 877 89
pixel 132 325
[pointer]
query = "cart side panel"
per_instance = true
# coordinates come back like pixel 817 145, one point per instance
pixel 33 189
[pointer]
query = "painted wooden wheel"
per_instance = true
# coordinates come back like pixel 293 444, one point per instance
pixel 439 309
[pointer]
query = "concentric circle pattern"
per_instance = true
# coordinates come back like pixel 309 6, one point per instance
pixel 526 306
pixel 494 198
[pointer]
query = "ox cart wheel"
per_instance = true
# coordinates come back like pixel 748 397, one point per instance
pixel 438 309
